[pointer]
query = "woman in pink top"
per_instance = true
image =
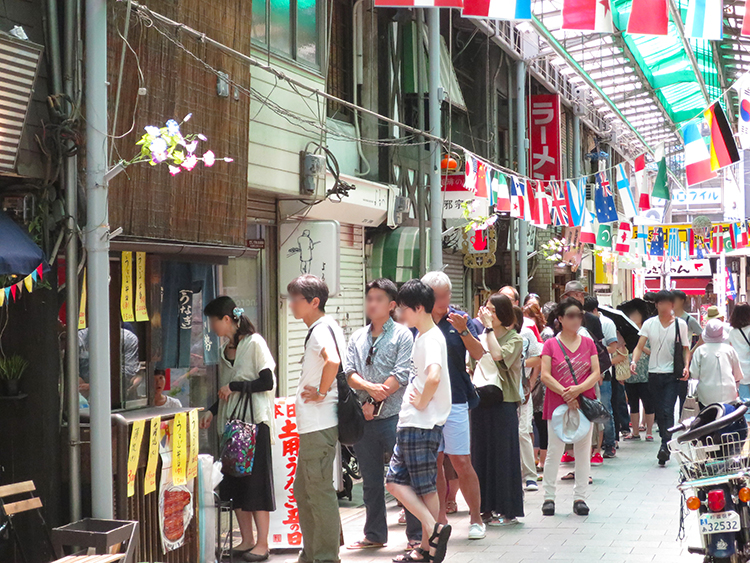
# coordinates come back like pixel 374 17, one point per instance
pixel 561 389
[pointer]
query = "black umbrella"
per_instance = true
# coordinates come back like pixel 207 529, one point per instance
pixel 627 328
pixel 18 253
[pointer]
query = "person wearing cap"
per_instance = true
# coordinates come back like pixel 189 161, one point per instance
pixel 570 368
pixel 716 366
pixel 660 334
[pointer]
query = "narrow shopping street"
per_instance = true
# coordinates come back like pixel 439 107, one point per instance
pixel 635 514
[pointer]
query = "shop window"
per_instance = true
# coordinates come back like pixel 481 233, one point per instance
pixel 289 27
pixel 340 63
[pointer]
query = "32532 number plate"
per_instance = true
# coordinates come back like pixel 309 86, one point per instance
pixel 718 522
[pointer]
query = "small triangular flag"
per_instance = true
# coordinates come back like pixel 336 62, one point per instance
pixel 39 271
pixel 2 298
pixel 13 291
pixel 7 294
pixel 29 283
pixel 33 275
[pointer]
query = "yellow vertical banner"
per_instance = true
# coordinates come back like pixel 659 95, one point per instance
pixel 154 435
pixel 192 471
pixel 179 449
pixel 126 293
pixel 141 312
pixel 134 452
pixel 82 305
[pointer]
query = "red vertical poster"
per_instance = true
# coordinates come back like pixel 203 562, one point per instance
pixel 545 160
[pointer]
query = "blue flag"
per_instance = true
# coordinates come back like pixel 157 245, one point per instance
pixel 657 243
pixel 606 212
pixel 576 192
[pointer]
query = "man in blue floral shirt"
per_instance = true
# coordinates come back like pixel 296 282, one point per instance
pixel 378 364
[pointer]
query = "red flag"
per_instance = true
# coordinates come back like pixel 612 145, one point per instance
pixel 532 201
pixel 587 15
pixel 481 179
pixel 746 21
pixel 13 291
pixel 39 272
pixel 649 17
pixel 622 246
pixel 717 240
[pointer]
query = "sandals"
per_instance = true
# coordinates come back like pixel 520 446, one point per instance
pixel 365 544
pixel 422 556
pixel 439 541
pixel 411 545
pixel 451 507
pixel 571 476
pixel 633 437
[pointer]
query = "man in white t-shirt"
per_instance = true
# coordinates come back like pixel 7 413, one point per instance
pixel 317 422
pixel 660 333
pixel 412 472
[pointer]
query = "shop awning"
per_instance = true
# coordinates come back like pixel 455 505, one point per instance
pixel 690 285
pixel 19 255
pixel 395 255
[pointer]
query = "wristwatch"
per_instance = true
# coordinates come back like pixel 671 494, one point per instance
pixel 465 332
pixel 488 329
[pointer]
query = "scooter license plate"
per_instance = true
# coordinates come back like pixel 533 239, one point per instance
pixel 718 522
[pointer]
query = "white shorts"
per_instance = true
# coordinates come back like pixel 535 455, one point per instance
pixel 456 432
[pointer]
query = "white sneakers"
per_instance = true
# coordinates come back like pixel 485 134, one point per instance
pixel 477 531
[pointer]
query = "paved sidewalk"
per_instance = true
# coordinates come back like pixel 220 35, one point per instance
pixel 634 517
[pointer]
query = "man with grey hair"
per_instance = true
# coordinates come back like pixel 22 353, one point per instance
pixel 460 337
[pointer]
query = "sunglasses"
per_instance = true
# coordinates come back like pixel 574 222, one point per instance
pixel 370 354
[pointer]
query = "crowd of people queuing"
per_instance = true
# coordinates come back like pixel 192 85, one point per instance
pixel 489 405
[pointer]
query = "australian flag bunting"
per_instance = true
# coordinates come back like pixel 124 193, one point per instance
pixel 604 200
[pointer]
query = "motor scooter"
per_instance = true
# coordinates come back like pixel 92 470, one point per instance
pixel 712 450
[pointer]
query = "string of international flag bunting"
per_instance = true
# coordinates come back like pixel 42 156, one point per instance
pixel 563 203
pixel 647 17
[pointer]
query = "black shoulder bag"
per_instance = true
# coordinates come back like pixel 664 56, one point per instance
pixel 679 358
pixel 592 409
pixel 350 415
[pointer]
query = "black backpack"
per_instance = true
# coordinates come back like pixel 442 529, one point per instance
pixel 351 417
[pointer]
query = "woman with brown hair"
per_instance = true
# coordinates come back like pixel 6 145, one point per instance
pixel 495 448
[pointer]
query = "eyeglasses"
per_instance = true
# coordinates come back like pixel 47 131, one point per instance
pixel 370 354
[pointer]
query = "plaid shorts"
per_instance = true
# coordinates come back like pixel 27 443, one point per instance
pixel 414 459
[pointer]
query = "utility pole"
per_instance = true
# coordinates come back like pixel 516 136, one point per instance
pixel 421 188
pixel 523 253
pixel 97 247
pixel 435 97
pixel 71 270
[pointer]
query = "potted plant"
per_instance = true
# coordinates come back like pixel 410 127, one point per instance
pixel 12 369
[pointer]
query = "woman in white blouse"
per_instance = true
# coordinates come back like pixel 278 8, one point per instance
pixel 245 368
pixel 716 367
pixel 739 338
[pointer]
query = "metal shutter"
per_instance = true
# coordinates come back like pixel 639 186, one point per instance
pixel 453 263
pixel 261 208
pixel 348 308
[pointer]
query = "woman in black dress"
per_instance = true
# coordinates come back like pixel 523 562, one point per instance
pixel 495 449
pixel 245 367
